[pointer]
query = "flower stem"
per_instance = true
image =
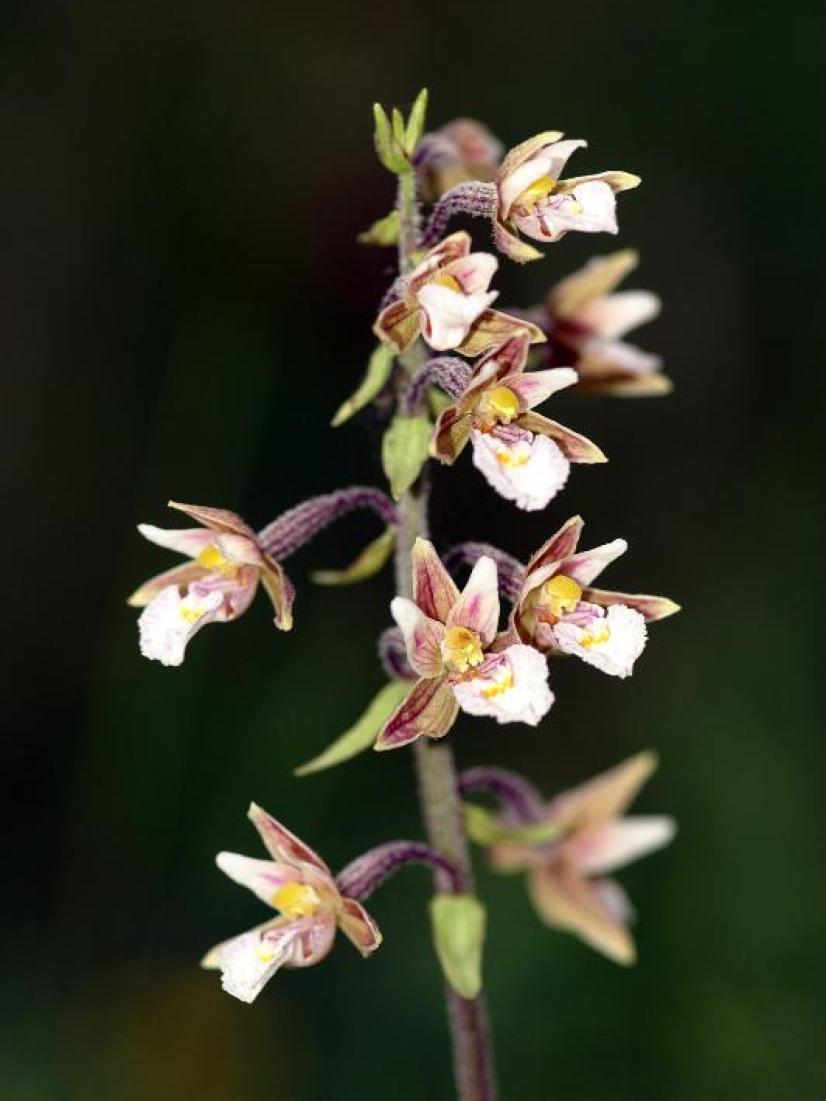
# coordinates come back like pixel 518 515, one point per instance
pixel 439 798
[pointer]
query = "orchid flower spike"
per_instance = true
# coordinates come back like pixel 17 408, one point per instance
pixel 218 584
pixel 450 640
pixel 446 300
pixel 532 199
pixel 567 879
pixel 299 885
pixel 585 322
pixel 524 456
pixel 559 611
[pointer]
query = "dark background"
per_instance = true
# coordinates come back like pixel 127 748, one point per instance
pixel 184 305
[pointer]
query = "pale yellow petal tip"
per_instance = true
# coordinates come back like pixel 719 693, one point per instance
pixel 137 599
pixel 671 607
pixel 628 181
pixel 210 961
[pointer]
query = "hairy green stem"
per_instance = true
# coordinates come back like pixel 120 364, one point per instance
pixel 436 772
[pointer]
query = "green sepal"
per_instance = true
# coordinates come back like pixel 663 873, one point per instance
pixel 389 151
pixel 375 379
pixel 415 123
pixel 404 451
pixel 368 563
pixel 437 400
pixel 363 733
pixel 458 923
pixel 383 233
pixel 485 828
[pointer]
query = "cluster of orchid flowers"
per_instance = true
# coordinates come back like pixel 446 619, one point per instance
pixel 462 373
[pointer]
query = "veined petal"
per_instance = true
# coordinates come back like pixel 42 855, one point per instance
pixel 280 590
pixel 574 446
pixel 510 687
pixel 238 549
pixel 398 325
pixel 586 566
pixel 512 246
pixel 188 541
pixel 219 519
pixel 606 796
pixel 611 643
pixel 565 899
pixel 528 470
pixel 315 941
pixel 451 434
pixel 492 327
pixel 449 314
pixel 597 278
pixel 473 273
pixel 613 315
pixel 561 545
pixel 448 251
pixel 611 845
pixel 282 845
pixel 356 924
pixel 534 387
pixel 478 605
pixel 181 577
pixel 422 637
pixel 651 608
pixel 169 621
pixel 434 590
pixel 262 877
pixel 429 709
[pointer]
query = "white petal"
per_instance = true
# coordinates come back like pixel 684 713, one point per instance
pixel 611 845
pixel 614 314
pixel 513 688
pixel 589 208
pixel 611 643
pixel 169 621
pixel 529 471
pixel 248 962
pixel 449 314
pixel 262 877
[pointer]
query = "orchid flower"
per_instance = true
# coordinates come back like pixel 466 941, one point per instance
pixel 445 299
pixel 299 885
pixel 534 201
pixel 558 610
pixel 524 456
pixel 567 879
pixel 459 151
pixel 585 324
pixel 450 638
pixel 217 585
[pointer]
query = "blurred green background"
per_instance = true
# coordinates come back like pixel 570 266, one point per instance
pixel 184 305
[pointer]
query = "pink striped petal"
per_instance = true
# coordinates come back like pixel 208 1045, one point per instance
pixel 218 519
pixel 284 847
pixel 356 924
pixel 433 588
pixel 588 565
pixel 614 844
pixel 534 387
pixel 422 637
pixel 651 608
pixel 561 545
pixel 188 541
pixel 574 446
pixel 565 899
pixel 262 877
pixel 429 709
pixel 478 605
pixel 606 796
pixel 473 273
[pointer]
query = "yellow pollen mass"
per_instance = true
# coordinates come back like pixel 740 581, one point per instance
pixel 190 614
pixel 539 190
pixel 507 458
pixel 296 900
pixel 560 595
pixel 503 403
pixel 212 559
pixel 447 281
pixel 589 640
pixel 501 686
pixel 462 648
